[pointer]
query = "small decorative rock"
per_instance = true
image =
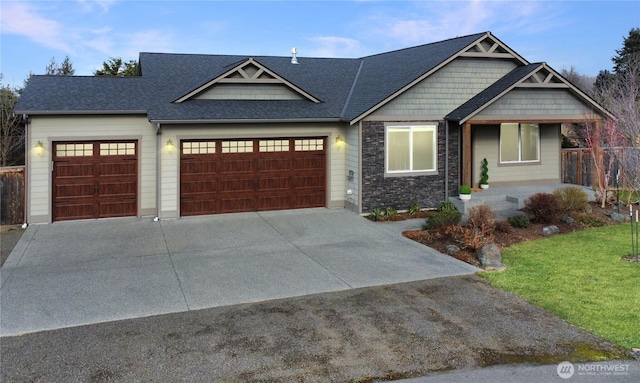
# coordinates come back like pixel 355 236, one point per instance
pixel 588 209
pixel 567 219
pixel 452 249
pixel 490 257
pixel 550 230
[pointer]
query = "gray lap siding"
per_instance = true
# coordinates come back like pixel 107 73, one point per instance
pixel 379 191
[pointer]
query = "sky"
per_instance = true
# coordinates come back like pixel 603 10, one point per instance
pixel 565 34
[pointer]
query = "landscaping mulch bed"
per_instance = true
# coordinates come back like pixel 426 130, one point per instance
pixel 507 237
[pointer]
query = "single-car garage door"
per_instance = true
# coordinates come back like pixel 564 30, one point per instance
pixel 224 176
pixel 94 179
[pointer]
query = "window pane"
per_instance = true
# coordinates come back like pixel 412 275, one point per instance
pixel 398 149
pixel 509 142
pixel 423 141
pixel 529 138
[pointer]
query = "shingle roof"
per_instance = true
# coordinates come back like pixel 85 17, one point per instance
pixel 346 88
pixel 384 74
pixel 82 94
pixel 489 94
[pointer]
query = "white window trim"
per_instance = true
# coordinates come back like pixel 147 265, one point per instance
pixel 520 161
pixel 400 173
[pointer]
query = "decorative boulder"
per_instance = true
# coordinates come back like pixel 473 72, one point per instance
pixel 550 230
pixel 618 217
pixel 588 209
pixel 490 257
pixel 452 249
pixel 568 220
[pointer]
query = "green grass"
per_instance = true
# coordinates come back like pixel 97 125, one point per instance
pixel 580 277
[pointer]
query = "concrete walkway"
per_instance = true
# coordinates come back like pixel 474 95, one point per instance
pixel 74 273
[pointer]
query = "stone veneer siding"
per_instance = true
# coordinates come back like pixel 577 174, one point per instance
pixel 401 192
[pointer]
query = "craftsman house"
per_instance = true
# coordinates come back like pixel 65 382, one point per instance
pixel 206 134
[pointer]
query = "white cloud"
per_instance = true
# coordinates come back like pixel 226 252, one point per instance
pixel 90 5
pixel 22 19
pixel 334 46
pixel 435 21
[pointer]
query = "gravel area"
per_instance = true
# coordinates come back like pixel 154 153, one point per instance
pixel 362 335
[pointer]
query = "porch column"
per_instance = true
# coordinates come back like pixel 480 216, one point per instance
pixel 466 154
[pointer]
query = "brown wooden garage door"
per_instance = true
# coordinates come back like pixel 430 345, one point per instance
pixel 94 179
pixel 224 176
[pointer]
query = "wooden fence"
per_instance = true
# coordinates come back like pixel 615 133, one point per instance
pixel 12 195
pixel 577 166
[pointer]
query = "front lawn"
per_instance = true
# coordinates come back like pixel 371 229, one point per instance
pixel 582 278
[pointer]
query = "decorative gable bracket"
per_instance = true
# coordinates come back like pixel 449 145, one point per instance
pixel 248 72
pixel 543 77
pixel 490 47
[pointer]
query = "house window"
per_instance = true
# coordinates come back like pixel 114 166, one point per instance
pixel 519 143
pixel 411 149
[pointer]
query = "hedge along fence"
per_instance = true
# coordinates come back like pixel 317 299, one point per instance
pixel 577 166
pixel 12 195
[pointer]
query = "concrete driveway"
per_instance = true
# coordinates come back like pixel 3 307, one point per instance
pixel 74 273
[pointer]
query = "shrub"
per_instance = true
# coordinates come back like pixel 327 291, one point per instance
pixel 481 217
pixel 572 198
pixel 446 215
pixel 376 214
pixel 447 205
pixel 504 227
pixel 414 208
pixel 519 221
pixel 588 220
pixel 484 174
pixel 465 189
pixel 545 207
pixel 470 238
pixel 390 212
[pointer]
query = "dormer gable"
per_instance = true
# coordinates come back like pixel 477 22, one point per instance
pixel 248 80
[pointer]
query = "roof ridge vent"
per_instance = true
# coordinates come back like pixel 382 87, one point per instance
pixel 294 53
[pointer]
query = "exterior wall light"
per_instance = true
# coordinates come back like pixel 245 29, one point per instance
pixel 339 140
pixel 170 147
pixel 39 149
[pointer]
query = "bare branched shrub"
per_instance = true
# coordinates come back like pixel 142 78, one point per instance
pixel 545 207
pixel 468 238
pixel 481 217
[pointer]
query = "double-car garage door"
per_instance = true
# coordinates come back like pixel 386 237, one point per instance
pixel 99 179
pixel 224 176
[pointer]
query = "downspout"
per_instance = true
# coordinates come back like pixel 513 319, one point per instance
pixel 446 159
pixel 158 148
pixel 25 118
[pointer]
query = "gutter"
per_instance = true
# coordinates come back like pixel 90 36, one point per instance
pixel 27 170
pixel 158 155
pixel 78 112
pixel 240 121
